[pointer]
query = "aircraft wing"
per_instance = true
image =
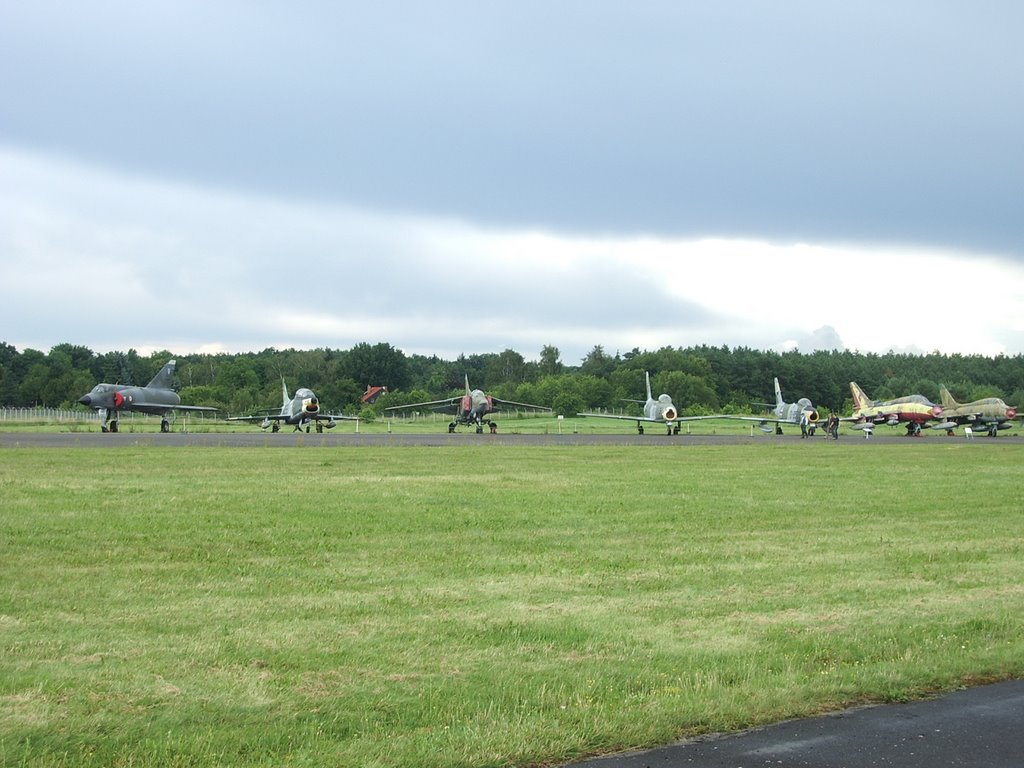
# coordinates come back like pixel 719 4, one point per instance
pixel 758 419
pixel 512 403
pixel 283 416
pixel 434 405
pixel 635 419
pixel 192 408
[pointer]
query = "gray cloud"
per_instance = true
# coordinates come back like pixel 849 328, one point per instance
pixel 248 175
pixel 800 122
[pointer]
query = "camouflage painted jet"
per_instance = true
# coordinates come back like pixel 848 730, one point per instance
pixel 660 411
pixel 156 398
pixel 785 413
pixel 469 409
pixel 299 411
pixel 989 414
pixel 914 410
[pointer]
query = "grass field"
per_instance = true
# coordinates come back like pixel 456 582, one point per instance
pixel 488 606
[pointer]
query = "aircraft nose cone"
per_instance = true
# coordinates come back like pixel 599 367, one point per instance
pixel 1011 412
pixel 85 400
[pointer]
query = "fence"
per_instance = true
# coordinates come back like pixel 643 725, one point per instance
pixel 20 415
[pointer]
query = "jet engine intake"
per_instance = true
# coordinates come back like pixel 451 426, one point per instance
pixel 669 414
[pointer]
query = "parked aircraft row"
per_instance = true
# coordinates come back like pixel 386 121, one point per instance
pixel 989 415
pixel 300 411
pixel 472 409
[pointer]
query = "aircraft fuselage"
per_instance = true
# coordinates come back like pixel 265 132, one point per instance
pixel 115 397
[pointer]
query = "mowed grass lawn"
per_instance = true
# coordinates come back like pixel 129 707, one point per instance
pixel 488 605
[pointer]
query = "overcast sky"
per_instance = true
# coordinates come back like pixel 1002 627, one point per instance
pixel 465 177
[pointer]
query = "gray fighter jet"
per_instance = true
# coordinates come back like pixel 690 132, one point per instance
pixel 802 410
pixel 156 398
pixel 470 408
pixel 660 411
pixel 300 411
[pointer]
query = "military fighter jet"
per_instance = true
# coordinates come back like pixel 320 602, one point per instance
pixel 157 398
pixel 300 411
pixel 660 411
pixel 470 409
pixel 785 413
pixel 914 410
pixel 989 414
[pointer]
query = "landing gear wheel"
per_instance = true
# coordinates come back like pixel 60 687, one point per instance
pixel 319 428
pixel 275 427
pixel 451 428
pixel 479 429
pixel 165 425
pixel 113 426
pixel 639 429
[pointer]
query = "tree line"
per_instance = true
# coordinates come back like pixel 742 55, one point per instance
pixel 702 379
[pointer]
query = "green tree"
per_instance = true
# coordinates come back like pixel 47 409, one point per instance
pixel 550 362
pixel 509 367
pixel 377 365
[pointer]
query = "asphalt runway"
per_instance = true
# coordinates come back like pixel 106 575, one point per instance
pixel 261 439
pixel 980 727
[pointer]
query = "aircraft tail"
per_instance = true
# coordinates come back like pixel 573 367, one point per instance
pixel 779 402
pixel 165 378
pixel 284 393
pixel 467 384
pixel 946 398
pixel 647 376
pixel 860 400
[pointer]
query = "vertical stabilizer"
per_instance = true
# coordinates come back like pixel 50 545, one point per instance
pixel 164 379
pixel 284 393
pixel 946 399
pixel 860 400
pixel 779 402
pixel 647 376
pixel 467 384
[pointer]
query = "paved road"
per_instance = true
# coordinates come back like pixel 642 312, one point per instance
pixel 979 727
pixel 342 439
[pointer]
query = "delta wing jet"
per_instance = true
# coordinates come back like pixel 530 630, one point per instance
pixel 470 409
pixel 785 413
pixel 156 398
pixel 989 414
pixel 914 410
pixel 660 411
pixel 299 411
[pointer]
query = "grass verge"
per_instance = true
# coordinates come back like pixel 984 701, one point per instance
pixel 487 606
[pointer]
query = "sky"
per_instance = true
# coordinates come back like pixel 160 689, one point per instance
pixel 462 177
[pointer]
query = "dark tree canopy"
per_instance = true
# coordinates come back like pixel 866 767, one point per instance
pixel 701 378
